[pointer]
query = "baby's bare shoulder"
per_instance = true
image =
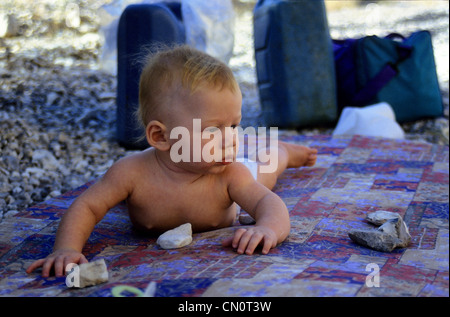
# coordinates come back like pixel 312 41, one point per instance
pixel 238 172
pixel 130 166
pixel 236 167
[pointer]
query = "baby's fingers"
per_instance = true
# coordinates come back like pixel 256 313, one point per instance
pixel 238 234
pixel 63 261
pixel 60 264
pixel 268 244
pixel 35 265
pixel 247 240
pixel 244 241
pixel 48 264
pixel 253 243
pixel 235 240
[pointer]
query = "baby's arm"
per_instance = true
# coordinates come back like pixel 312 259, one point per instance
pixel 80 219
pixel 268 209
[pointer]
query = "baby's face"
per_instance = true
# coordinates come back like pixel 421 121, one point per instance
pixel 211 117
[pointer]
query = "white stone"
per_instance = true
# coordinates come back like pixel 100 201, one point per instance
pixel 11 213
pixel 46 158
pixel 55 193
pixel 389 227
pixel 176 238
pixel 93 273
pixel 150 290
pixel 73 15
pixel 35 171
pixel 8 25
pixel 379 217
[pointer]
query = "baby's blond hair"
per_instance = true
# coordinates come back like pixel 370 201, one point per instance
pixel 168 70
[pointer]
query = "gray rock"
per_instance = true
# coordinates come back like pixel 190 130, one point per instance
pixel 10 162
pixel 176 238
pixel 245 219
pixel 393 233
pixel 379 217
pixel 389 227
pixel 374 239
pixel 93 273
pixel 402 233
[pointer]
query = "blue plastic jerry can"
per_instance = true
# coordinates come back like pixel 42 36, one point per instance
pixel 140 26
pixel 294 63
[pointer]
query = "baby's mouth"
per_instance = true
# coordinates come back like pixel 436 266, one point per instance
pixel 227 160
pixel 228 156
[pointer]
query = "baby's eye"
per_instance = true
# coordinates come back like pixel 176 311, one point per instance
pixel 234 126
pixel 212 129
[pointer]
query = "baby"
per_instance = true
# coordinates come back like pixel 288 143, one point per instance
pixel 182 89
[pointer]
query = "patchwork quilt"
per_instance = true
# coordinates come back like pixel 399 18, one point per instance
pixel 354 175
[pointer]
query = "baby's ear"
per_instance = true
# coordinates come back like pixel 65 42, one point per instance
pixel 156 135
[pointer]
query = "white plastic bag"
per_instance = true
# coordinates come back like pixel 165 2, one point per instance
pixel 209 27
pixel 109 15
pixel 376 120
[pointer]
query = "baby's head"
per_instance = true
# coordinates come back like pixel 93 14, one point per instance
pixel 180 70
pixel 184 93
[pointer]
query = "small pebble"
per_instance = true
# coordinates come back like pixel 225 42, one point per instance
pixel 176 238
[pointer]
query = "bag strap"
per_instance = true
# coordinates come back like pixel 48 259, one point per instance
pixel 384 76
pixel 393 36
pixel 374 85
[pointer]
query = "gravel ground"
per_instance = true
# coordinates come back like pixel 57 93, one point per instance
pixel 57 107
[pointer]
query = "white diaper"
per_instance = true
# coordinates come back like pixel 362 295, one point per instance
pixel 251 165
pixel 244 218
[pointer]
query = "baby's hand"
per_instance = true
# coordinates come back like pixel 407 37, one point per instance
pixel 247 239
pixel 59 260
